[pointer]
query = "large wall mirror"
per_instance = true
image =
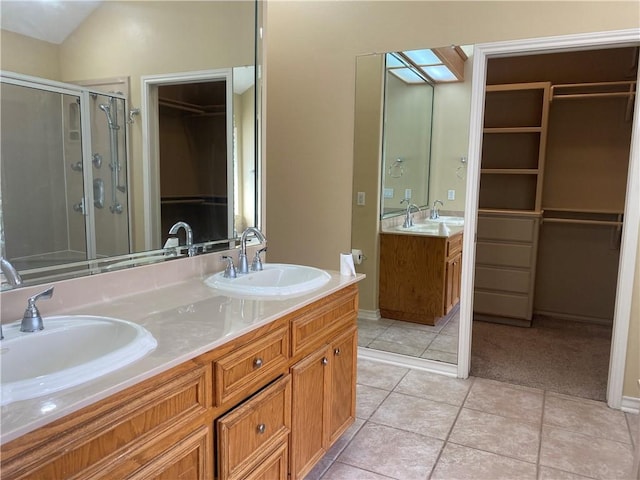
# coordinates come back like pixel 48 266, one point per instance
pixel 119 119
pixel 411 142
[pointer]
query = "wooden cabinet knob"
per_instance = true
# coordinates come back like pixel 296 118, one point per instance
pixel 336 352
pixel 261 428
pixel 325 361
pixel 257 363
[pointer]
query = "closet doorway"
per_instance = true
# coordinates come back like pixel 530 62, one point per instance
pixel 556 192
pixel 557 135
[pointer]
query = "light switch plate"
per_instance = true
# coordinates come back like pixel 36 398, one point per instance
pixel 451 195
pixel 361 197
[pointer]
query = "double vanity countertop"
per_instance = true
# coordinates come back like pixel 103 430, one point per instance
pixel 187 319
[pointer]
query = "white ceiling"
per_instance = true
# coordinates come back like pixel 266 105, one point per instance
pixel 48 20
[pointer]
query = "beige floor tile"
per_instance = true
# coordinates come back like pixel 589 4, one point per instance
pixel 590 418
pixel 584 454
pixel 319 469
pixel 440 356
pixel 379 375
pixel 372 328
pixel 548 473
pixel 451 328
pixel 459 462
pixel 502 399
pixel 368 399
pixel 407 337
pixel 396 347
pixel 496 434
pixel 342 471
pixel 416 415
pixel 434 386
pixel 445 343
pixel 344 439
pixel 419 326
pixel 392 452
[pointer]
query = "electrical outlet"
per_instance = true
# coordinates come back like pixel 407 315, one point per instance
pixel 360 200
pixel 451 195
pixel 407 193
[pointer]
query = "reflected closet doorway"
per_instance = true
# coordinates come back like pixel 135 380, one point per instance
pixel 624 280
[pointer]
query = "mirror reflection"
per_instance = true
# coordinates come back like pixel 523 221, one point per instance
pixel 410 298
pixel 87 173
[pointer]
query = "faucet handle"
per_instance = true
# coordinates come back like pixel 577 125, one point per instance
pixel 230 270
pixel 256 265
pixel 32 320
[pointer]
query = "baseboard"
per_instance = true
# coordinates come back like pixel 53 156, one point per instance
pixel 399 360
pixel 575 318
pixel 630 404
pixel 369 314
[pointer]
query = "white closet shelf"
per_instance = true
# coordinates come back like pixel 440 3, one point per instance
pixel 593 90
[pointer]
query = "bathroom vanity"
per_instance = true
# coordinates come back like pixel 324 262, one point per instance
pixel 236 389
pixel 419 274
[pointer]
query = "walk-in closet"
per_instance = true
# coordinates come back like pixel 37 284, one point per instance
pixel 557 132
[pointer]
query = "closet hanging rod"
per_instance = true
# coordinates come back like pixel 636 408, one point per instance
pixel 583 210
pixel 593 90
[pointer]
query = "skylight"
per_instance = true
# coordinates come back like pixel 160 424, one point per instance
pixel 437 65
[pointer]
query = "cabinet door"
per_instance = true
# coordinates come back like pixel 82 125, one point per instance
pixel 309 380
pixel 343 362
pixel 453 276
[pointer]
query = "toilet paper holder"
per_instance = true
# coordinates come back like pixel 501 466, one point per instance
pixel 358 256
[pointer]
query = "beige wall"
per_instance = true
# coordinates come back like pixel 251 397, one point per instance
pixel 29 56
pixel 311 50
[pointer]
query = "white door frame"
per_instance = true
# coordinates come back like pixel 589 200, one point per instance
pixel 151 145
pixel 629 246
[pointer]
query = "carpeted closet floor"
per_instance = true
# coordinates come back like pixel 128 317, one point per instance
pixel 558 355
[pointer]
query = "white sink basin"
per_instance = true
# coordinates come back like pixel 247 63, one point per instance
pixel 71 350
pixel 453 221
pixel 276 280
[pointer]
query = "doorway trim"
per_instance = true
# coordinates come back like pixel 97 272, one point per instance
pixel 629 245
pixel 151 144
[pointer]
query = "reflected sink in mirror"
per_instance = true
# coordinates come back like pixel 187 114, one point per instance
pixel 453 221
pixel 275 281
pixel 72 349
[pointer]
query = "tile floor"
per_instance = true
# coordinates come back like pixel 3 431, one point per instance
pixel 413 424
pixel 439 342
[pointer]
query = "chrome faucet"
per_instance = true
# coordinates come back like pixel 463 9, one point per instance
pixel 243 264
pixel 434 210
pixel 12 276
pixel 408 219
pixel 32 320
pixel 187 228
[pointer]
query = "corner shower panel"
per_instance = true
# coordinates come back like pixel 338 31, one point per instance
pixel 50 138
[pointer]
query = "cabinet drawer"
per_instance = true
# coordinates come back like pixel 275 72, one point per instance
pixel 273 467
pixel 250 432
pixel 247 369
pixel 517 281
pixel 318 322
pixel 507 229
pixel 501 304
pixel 504 255
pixel 454 245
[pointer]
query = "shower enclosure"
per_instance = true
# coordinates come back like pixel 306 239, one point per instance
pixel 66 144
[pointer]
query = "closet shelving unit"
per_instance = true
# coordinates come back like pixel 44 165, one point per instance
pixel 510 200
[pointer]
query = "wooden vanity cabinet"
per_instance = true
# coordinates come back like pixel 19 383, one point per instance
pixel 323 379
pixel 151 430
pixel 240 398
pixel 419 276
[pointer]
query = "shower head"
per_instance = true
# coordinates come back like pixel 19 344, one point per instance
pixel 107 111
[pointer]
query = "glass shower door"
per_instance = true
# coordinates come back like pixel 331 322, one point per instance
pixel 41 158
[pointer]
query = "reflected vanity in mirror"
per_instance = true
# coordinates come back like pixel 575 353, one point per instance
pixel 91 180
pixel 410 148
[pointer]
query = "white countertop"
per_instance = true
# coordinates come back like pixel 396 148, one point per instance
pixel 450 231
pixel 187 319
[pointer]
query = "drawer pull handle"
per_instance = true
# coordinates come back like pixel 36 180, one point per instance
pixel 325 361
pixel 261 428
pixel 257 363
pixel 336 352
